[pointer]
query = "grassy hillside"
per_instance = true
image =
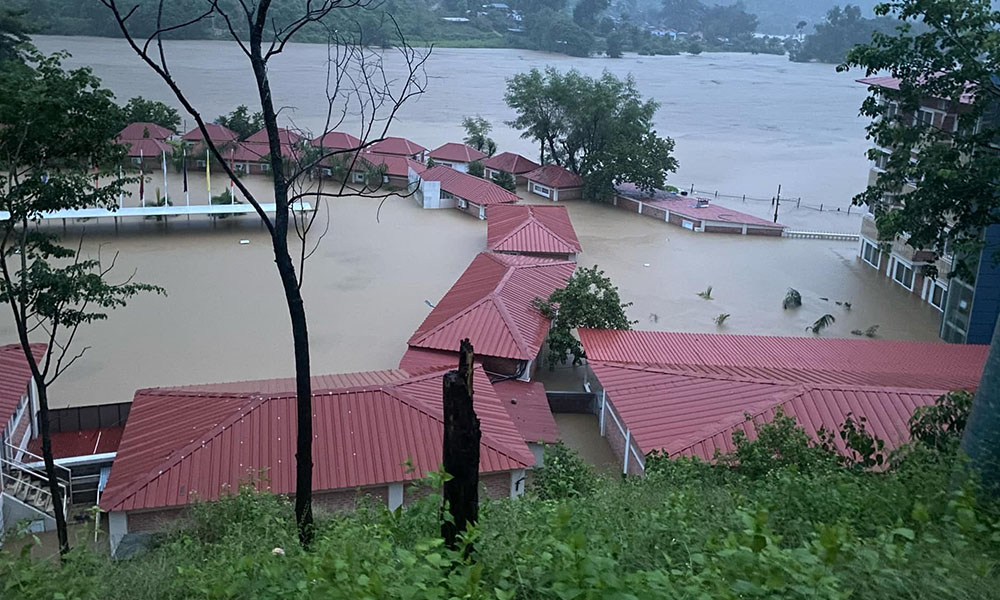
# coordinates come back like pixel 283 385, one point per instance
pixel 778 519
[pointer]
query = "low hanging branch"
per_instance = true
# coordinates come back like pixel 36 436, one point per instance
pixel 461 450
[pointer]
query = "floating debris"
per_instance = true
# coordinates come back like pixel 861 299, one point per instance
pixel 244 242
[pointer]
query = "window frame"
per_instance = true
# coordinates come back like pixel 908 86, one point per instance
pixel 875 251
pixel 904 265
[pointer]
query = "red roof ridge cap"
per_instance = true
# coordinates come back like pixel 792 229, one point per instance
pixel 255 401
pixel 450 320
pixel 508 320
pixel 532 219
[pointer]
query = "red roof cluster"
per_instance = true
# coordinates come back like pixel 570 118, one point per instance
pixel 397 146
pixel 373 428
pixel 469 187
pixel 143 130
pixel 531 229
pixel 15 374
pixel 219 134
pixel 688 393
pixel 492 305
pixel 455 152
pixel 509 162
pixel 554 176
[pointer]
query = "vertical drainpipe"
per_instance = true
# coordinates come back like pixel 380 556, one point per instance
pixel 604 400
pixel 628 442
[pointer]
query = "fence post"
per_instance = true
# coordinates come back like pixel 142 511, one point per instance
pixel 848 209
pixel 744 197
pixel 798 202
pixel 820 207
pixel 692 188
pixel 716 194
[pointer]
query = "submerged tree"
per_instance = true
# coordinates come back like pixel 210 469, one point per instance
pixel 359 87
pixel 589 300
pixel 506 181
pixel 956 59
pixel 46 158
pixel 601 129
pixel 477 134
pixel 139 109
pixel 242 121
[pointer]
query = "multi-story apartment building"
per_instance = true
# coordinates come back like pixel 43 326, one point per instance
pixel 968 308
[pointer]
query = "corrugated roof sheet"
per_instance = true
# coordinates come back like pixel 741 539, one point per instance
pixel 892 83
pixel 422 358
pixel 817 360
pixel 285 137
pixel 195 442
pixel 688 393
pixel 336 140
pixel 511 163
pixel 15 374
pixel 492 305
pixel 531 228
pixel 144 130
pixel 529 408
pixel 66 444
pixel 455 152
pixel 469 187
pixel 554 176
pixel 216 133
pixel 397 146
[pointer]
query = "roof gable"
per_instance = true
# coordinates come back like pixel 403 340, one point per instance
pixel 456 152
pixel 509 162
pixel 469 187
pixel 144 130
pixel 216 133
pixel 555 176
pixel 531 228
pixel 492 305
pixel 285 137
pixel 336 140
pixel 396 145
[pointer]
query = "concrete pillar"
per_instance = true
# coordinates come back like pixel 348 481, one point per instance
pixel 604 402
pixel 117 529
pixel 516 483
pixel 395 495
pixel 628 442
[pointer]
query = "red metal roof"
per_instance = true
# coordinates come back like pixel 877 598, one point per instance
pixel 930 365
pixel 892 83
pixel 256 151
pixel 554 176
pixel 143 130
pixel 531 228
pixel 422 358
pixel 217 133
pixel 492 305
pixel 687 393
pixel 146 147
pixel 15 374
pixel 186 443
pixel 336 140
pixel 687 206
pixel 396 166
pixel 529 407
pixel 67 444
pixel 469 187
pixel 397 146
pixel 455 152
pixel 285 137
pixel 511 163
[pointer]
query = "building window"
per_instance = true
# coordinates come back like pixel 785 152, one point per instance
pixel 136 160
pixel 882 162
pixel 327 172
pixel 358 177
pixel 937 295
pixel 903 275
pixel 871 254
pixel 541 190
pixel 923 118
pixel 265 167
pixel 201 163
pixel 892 110
pixel 462 203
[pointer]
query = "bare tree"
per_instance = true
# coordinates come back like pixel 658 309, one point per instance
pixel 359 88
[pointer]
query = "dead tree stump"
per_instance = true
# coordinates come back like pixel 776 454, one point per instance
pixel 461 450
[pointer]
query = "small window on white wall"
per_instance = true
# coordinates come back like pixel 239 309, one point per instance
pixel 871 254
pixel 936 297
pixel 541 190
pixel 903 275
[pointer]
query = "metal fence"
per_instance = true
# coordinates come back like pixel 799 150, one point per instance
pixel 786 201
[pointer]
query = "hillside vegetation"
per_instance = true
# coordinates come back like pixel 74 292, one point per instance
pixel 780 518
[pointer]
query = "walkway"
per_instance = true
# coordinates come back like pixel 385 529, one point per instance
pixel 162 211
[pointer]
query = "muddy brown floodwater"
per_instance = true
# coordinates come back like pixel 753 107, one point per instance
pixel 366 290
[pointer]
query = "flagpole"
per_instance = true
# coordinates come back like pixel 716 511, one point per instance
pixel 187 194
pixel 232 168
pixel 208 175
pixel 165 194
pixel 142 180
pixel 121 192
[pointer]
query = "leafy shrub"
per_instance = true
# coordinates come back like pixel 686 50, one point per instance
pixel 563 474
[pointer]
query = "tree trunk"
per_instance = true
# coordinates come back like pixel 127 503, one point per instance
pixel 290 284
pixel 461 450
pixel 981 440
pixel 50 466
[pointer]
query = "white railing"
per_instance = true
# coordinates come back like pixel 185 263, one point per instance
pixel 821 235
pixel 625 433
pixel 35 467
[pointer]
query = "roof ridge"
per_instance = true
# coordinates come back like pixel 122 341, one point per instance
pixel 255 400
pixel 515 332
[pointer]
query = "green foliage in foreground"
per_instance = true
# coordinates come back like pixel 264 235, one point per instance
pixel 779 518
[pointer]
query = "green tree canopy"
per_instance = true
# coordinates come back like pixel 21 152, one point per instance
pixel 477 134
pixel 601 129
pixel 730 21
pixel 843 29
pixel 139 109
pixel 589 300
pixel 586 12
pixel 14 30
pixel 683 15
pixel 242 121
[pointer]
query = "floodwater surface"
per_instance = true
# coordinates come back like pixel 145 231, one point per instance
pixel 740 121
